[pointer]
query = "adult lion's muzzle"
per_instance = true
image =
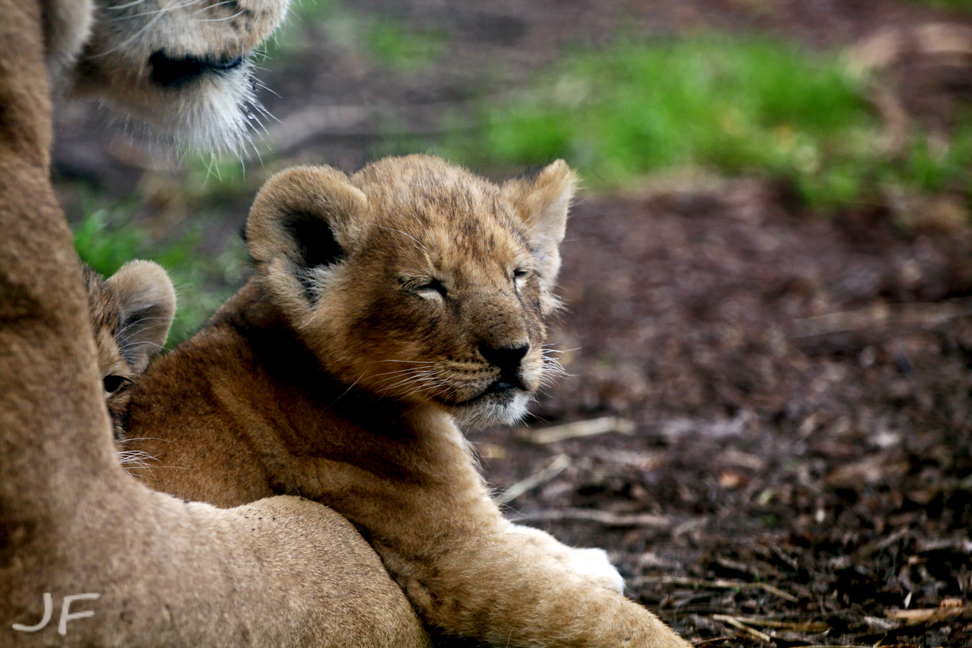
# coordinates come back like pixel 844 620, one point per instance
pixel 181 69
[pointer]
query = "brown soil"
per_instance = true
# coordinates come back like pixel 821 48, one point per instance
pixel 794 392
pixel 800 396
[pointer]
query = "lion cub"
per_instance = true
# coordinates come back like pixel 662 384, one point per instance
pixel 131 314
pixel 387 308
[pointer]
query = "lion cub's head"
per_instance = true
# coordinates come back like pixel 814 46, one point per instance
pixel 130 314
pixel 416 279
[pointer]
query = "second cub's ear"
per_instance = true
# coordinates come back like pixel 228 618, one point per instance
pixel 146 306
pixel 305 217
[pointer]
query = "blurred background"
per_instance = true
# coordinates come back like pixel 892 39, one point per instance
pixel 768 276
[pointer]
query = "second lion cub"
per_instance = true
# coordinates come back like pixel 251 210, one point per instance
pixel 387 307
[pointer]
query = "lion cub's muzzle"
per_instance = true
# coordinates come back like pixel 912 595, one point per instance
pixel 507 362
pixel 508 359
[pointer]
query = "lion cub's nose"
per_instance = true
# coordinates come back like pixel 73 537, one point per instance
pixel 507 358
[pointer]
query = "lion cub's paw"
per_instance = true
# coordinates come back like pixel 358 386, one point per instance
pixel 591 564
pixel 595 565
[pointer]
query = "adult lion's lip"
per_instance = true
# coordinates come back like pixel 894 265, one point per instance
pixel 228 64
pixel 174 73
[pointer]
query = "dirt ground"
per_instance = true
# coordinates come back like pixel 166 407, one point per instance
pixel 775 407
pixel 796 397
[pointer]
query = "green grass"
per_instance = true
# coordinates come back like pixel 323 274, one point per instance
pixel 404 50
pixel 735 106
pixel 960 5
pixel 297 30
pixel 106 240
pixel 389 42
pixel 213 180
pixel 933 170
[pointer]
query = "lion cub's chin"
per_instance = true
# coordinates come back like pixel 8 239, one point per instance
pixel 504 408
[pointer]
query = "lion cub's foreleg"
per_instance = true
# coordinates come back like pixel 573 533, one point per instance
pixel 466 569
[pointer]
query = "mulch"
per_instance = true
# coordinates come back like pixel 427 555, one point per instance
pixel 778 418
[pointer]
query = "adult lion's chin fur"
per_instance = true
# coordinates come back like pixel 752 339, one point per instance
pixel 218 115
pixel 177 72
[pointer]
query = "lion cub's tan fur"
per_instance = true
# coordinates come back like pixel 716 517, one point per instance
pixel 386 306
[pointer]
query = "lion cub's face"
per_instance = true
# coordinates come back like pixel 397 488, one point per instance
pixel 416 279
pixel 130 316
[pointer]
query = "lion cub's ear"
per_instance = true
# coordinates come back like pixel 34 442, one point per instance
pixel 302 220
pixel 146 306
pixel 541 199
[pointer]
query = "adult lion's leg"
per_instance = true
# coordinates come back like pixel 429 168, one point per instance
pixel 77 535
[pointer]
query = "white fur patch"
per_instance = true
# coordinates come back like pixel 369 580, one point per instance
pixel 596 565
pixel 492 412
pixel 217 114
pixel 591 564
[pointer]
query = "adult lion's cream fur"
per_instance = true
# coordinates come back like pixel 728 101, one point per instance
pixel 386 306
pixel 281 572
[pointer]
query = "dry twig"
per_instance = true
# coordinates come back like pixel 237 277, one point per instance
pixel 601 517
pixel 558 466
pixel 714 641
pixel 736 623
pixel 793 626
pixel 842 646
pixel 715 584
pixel 914 315
pixel 933 615
pixel 578 429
